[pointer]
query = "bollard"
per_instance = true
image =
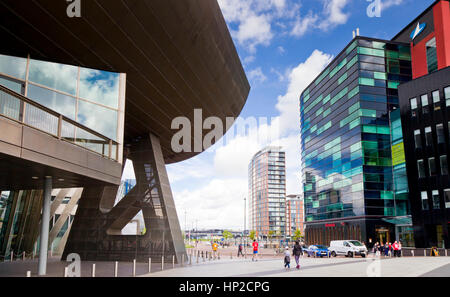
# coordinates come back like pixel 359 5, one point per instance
pixel 66 271
pixel 149 265
pixel 231 255
pixel 28 273
pixel 116 269
pixel 190 260
pixel 93 270
pixel 23 256
pixel 134 268
pixel 412 252
pixel 173 262
pixel 162 263
pixel 12 256
pixel 425 253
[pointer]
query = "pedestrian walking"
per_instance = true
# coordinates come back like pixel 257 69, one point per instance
pixel 240 248
pixel 399 253
pixel 255 250
pixel 287 258
pixel 297 252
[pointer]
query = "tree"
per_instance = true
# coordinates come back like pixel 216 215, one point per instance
pixel 252 235
pixel 227 235
pixel 297 235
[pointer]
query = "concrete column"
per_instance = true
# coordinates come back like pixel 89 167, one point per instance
pixel 45 225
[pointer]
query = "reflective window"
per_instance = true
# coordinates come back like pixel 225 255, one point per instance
pixel 436 200
pixel 424 196
pixel 13 66
pixel 432 60
pixel 444 165
pixel 447 198
pixel 424 100
pixel 97 118
pixel 440 133
pixel 432 166
pixel 55 76
pixel 60 103
pixel 428 136
pixel 413 102
pixel 418 139
pixel 100 87
pixel 447 96
pixel 12 85
pixel 436 100
pixel 421 168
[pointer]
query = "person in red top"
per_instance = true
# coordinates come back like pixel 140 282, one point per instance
pixel 255 250
pixel 395 246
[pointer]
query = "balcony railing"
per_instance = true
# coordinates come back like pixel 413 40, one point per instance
pixel 27 112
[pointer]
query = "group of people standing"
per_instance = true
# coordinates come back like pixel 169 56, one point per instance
pixel 388 249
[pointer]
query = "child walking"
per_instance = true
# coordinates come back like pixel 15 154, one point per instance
pixel 287 258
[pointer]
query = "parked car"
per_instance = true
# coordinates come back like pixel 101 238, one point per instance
pixel 348 248
pixel 317 251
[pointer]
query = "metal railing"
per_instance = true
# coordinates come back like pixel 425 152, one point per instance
pixel 20 109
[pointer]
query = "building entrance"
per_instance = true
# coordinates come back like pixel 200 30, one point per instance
pixel 383 235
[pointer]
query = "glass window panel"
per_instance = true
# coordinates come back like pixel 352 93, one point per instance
pixel 424 196
pixel 12 85
pixel 444 165
pixel 447 198
pixel 436 97
pixel 418 139
pixel 55 76
pixel 424 99
pixel 58 102
pixel 97 118
pixel 421 168
pixel 100 87
pixel 432 60
pixel 428 136
pixel 436 200
pixel 447 96
pixel 440 133
pixel 13 66
pixel 432 166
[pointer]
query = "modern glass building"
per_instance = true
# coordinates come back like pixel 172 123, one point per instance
pixel 353 185
pixel 89 97
pixel 267 192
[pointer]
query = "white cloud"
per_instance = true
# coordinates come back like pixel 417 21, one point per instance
pixel 257 75
pixel 332 15
pixel 385 4
pixel 254 19
pixel 303 24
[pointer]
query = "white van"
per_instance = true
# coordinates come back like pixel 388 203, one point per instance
pixel 348 248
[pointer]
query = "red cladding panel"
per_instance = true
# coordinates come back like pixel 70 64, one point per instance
pixel 419 57
pixel 442 30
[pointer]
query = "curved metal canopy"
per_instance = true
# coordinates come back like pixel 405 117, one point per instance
pixel 178 55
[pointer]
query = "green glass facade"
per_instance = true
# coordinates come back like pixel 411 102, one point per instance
pixel 347 142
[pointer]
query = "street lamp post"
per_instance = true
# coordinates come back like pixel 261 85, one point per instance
pixel 245 225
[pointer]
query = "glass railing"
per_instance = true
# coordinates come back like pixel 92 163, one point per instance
pixel 23 110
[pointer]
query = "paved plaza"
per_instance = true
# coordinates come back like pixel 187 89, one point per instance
pixel 264 267
pixel 316 267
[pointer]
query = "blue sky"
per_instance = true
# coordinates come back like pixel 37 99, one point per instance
pixel 283 46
